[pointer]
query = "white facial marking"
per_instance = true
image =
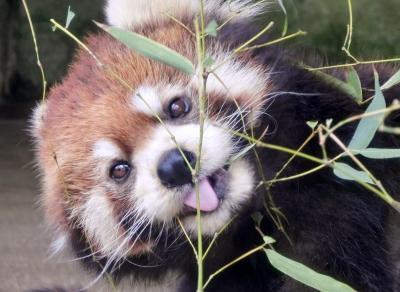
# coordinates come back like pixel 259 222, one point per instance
pixel 236 78
pixel 106 149
pixel 128 13
pixel 101 226
pixel 153 199
pixel 149 99
pixel 161 204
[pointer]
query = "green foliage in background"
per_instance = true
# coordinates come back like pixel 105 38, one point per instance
pixel 376 31
pixel 376 34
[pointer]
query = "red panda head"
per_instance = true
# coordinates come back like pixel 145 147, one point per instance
pixel 111 152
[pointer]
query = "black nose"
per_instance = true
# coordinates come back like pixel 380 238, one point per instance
pixel 173 170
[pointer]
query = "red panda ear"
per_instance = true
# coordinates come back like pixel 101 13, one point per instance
pixel 36 121
pixel 129 14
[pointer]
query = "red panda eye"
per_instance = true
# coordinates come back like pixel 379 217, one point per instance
pixel 178 108
pixel 120 171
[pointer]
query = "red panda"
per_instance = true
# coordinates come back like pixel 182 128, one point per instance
pixel 115 181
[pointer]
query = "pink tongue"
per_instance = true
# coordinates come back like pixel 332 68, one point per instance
pixel 208 197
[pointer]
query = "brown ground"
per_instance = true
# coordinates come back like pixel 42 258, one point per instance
pixel 24 241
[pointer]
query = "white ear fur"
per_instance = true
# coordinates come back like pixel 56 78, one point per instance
pixel 128 14
pixel 36 120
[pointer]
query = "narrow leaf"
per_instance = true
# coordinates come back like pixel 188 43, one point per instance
pixel 329 122
pixel 211 28
pixel 268 239
pixel 150 48
pixel 346 172
pixel 312 124
pixel 368 126
pixel 70 16
pixel 394 80
pixel 339 84
pixel 353 80
pixel 378 153
pixel 304 274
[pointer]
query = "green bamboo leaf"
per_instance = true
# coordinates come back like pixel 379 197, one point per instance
pixel 304 274
pixel 346 172
pixel 353 80
pixel 211 28
pixel 394 80
pixel 150 48
pixel 268 239
pixel 344 87
pixel 377 153
pixel 368 126
pixel 70 16
pixel 312 124
pixel 329 122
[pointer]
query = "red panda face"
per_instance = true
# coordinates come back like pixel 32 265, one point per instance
pixel 114 155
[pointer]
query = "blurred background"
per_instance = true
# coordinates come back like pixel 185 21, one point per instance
pixel 24 241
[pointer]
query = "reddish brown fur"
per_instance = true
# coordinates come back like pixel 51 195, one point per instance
pixel 92 100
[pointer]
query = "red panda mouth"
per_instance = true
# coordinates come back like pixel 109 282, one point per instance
pixel 212 190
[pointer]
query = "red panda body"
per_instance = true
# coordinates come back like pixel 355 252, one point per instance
pixel 114 180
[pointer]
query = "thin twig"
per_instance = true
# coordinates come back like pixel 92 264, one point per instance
pixel 243 256
pixel 393 107
pixel 180 23
pixel 349 34
pixel 216 235
pixel 277 221
pixel 389 130
pixel 355 64
pixel 385 196
pixel 202 79
pixel 277 147
pixel 279 40
pixel 253 39
pixel 305 173
pixel 347 45
pixel 383 193
pixel 39 63
pixel 309 138
pixel 187 236
pixel 242 47
pixel 67 32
